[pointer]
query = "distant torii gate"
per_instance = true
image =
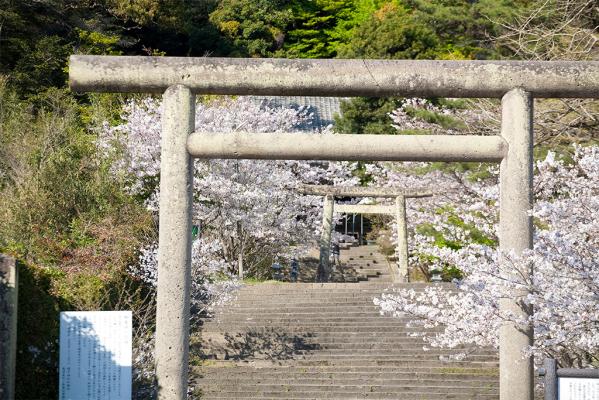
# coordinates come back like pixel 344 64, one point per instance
pixel 399 210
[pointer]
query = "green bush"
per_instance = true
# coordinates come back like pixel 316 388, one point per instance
pixel 68 221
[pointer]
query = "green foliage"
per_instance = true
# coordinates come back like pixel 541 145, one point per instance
pixel 417 29
pixel 438 29
pixel 67 220
pixel 361 11
pixel 361 172
pixel 371 116
pixel 319 27
pixel 366 115
pixel 97 43
pixel 255 27
pixel 314 27
pixel 38 319
pixel 392 32
pixel 444 121
pixel 38 35
pixel 445 238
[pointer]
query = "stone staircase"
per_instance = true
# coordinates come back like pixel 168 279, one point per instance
pixel 327 341
pixel 364 264
pixel 357 264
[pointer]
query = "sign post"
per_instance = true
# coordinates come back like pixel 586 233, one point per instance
pixel 95 355
pixel 569 383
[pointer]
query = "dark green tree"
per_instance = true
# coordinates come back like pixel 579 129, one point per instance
pixel 391 32
pixel 368 115
pixel 418 29
pixel 36 36
pixel 314 31
pixel 256 28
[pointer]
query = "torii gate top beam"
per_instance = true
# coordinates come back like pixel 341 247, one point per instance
pixel 357 191
pixel 303 77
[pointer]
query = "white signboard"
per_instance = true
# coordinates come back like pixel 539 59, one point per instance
pixel 578 389
pixel 95 355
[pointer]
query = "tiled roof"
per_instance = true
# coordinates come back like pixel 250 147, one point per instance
pixel 323 108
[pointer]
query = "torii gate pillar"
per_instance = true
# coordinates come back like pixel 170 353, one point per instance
pixel 324 269
pixel 402 238
pixel 515 235
pixel 174 254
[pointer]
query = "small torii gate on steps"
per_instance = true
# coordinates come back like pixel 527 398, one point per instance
pixel 516 83
pixel 399 210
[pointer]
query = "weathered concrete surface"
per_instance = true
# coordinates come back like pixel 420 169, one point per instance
pixel 325 238
pixel 359 191
pixel 364 209
pixel 293 146
pixel 515 234
pixel 283 77
pixel 9 289
pixel 402 238
pixel 174 254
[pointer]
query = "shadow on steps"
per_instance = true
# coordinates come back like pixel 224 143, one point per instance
pixel 263 344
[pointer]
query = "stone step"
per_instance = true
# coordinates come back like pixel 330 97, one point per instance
pixel 325 317
pixel 375 350
pixel 332 342
pixel 310 296
pixel 332 358
pixel 363 363
pixel 342 286
pixel 363 392
pixel 338 378
pixel 301 307
pixel 257 381
pixel 311 323
pixel 345 396
pixel 269 368
pixel 327 386
pixel 313 310
pixel 324 339
pixel 371 387
pixel 309 330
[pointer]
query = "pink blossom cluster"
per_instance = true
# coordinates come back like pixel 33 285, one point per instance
pixel 565 280
pixel 243 207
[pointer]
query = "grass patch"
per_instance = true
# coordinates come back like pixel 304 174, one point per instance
pixel 256 281
pixel 215 364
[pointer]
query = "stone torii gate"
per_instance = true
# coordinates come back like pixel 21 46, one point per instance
pixel 399 210
pixel 516 83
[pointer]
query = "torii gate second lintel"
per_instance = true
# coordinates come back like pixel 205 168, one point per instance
pixel 179 79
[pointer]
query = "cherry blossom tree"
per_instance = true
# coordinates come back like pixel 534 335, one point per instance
pixel 246 209
pixel 457 229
